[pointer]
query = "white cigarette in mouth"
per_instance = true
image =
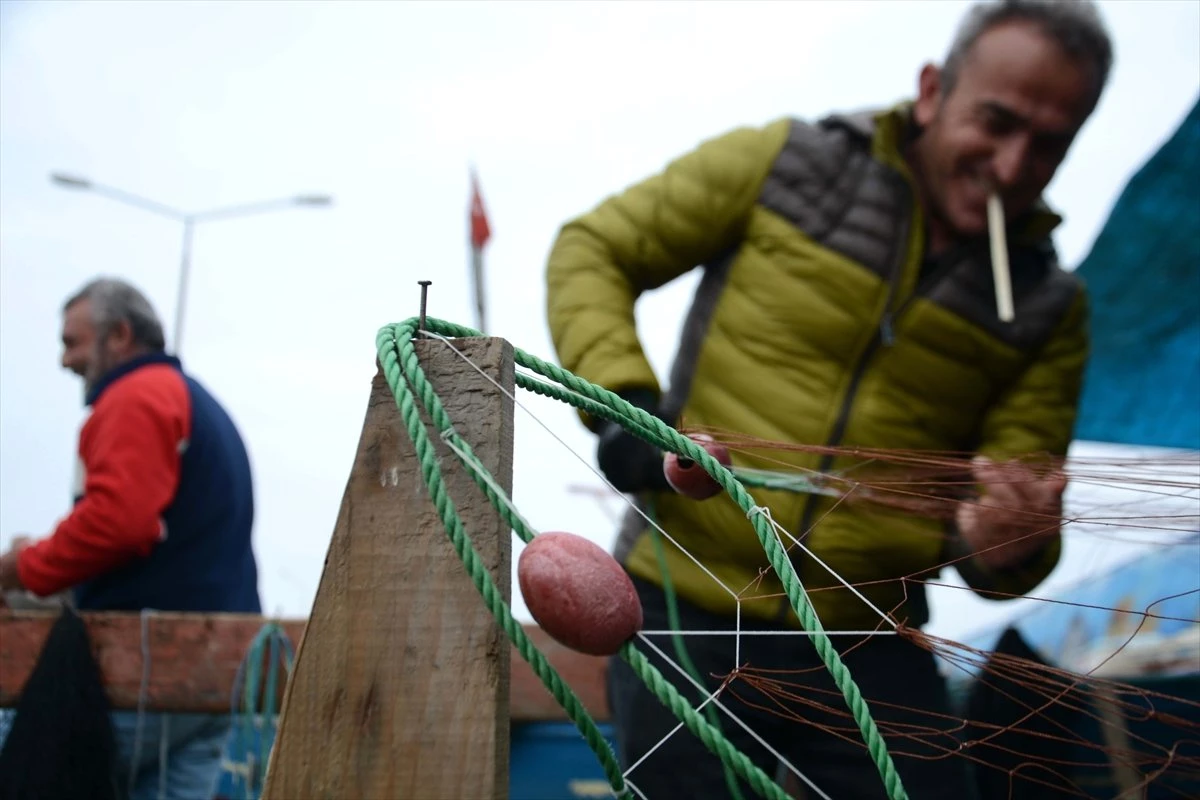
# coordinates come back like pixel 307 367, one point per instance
pixel 1000 274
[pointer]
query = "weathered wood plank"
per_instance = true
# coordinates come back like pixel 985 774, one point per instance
pixel 401 684
pixel 195 657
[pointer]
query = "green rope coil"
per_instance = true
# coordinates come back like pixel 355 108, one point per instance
pixel 407 380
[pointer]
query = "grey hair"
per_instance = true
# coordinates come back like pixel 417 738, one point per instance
pixel 1075 25
pixel 115 301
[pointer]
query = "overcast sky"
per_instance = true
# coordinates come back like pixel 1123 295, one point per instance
pixel 383 106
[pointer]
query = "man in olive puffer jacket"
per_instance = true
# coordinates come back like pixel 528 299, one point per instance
pixel 846 301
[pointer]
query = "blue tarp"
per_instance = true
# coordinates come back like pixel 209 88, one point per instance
pixel 1103 614
pixel 1098 628
pixel 1143 275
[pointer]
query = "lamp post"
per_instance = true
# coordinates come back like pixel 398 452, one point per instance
pixel 189 221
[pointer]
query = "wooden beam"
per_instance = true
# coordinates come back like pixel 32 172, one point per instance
pixel 194 660
pixel 400 686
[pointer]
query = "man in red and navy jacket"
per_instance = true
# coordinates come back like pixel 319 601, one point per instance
pixel 164 504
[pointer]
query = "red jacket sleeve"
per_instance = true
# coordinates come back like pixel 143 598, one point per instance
pixel 131 452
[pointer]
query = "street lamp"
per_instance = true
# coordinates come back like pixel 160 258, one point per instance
pixel 189 221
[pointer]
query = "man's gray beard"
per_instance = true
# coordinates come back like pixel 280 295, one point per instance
pixel 100 366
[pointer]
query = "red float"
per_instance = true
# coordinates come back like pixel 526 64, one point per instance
pixel 578 593
pixel 688 478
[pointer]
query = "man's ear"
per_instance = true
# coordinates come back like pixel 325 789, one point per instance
pixel 121 335
pixel 929 95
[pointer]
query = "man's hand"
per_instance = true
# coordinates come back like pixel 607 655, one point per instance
pixel 9 579
pixel 1017 514
pixel 631 464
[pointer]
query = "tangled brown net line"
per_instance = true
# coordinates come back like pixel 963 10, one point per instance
pixel 1112 725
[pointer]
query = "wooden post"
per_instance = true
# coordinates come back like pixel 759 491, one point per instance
pixel 194 662
pixel 400 685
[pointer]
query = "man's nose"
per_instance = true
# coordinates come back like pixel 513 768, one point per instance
pixel 1010 162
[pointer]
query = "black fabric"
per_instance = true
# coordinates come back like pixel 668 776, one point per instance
pixel 629 462
pixel 61 743
pixel 1036 745
pixel 899 681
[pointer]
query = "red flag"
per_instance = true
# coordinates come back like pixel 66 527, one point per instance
pixel 480 230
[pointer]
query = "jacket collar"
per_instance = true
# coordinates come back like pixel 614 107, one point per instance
pixel 123 369
pixel 889 129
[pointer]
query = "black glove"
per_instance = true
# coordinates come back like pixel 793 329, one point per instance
pixel 631 464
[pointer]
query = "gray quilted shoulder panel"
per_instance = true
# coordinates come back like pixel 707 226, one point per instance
pixel 825 182
pixel 1042 294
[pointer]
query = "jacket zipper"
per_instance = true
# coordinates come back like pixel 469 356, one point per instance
pixel 884 336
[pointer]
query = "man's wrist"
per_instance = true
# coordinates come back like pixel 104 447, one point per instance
pixel 1001 556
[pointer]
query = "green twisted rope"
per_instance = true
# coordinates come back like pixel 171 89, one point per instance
pixel 407 381
pixel 404 375
pixel 398 355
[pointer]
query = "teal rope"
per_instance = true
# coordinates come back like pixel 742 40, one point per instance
pixel 407 381
pixel 272 637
